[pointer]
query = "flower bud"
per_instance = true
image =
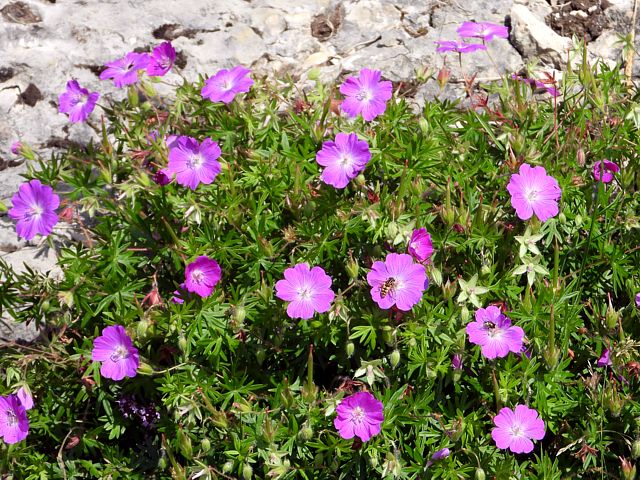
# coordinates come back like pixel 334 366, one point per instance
pixel 227 467
pixel 182 343
pixel 562 218
pixel 239 314
pixel 612 317
pixel 247 472
pixel 261 354
pixel 449 289
pixel 132 95
pixel 480 475
pixel 185 444
pixel 424 125
pixel 145 369
pixel 394 358
pixel 352 268
pixel 141 328
pixel 628 469
pixel 443 77
pixel 635 449
pixel 205 445
pixel 613 401
pixel 551 356
pixel 464 313
pixel 485 270
pixel 350 348
pixel 387 335
pixel 305 433
pixel 361 180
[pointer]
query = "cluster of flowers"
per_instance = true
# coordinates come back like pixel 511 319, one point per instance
pixel 14 424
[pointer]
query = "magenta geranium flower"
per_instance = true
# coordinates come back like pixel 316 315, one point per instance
pixel 533 191
pixel 16 148
pixel 359 415
pixel 492 330
pixel 202 275
pixel 638 300
pixel 484 30
pixel 605 359
pixel 77 102
pixel 343 159
pixel 24 395
pixel 604 171
pixel 537 84
pixel 34 208
pixel 115 350
pixel 516 428
pixel 226 84
pixel 458 46
pixel 162 177
pixel 14 424
pixel 161 60
pixel 193 163
pixel 124 71
pixel 366 95
pixel 307 290
pixel 420 246
pixel 397 281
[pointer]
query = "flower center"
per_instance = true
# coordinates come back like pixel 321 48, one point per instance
pixel 197 276
pixel 227 85
pixel 516 430
pixel 12 418
pixel 195 161
pixel 346 160
pixel 363 95
pixel 35 211
pixel 357 416
pixel 305 293
pixel 532 195
pixel 119 353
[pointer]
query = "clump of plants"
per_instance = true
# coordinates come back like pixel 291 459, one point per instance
pixel 265 282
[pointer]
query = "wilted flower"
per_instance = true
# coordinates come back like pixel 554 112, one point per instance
pixel 605 359
pixel 34 209
pixel 193 163
pixel 604 171
pixel 201 276
pixel 14 424
pixel 492 330
pixel 484 30
pixel 420 246
pixel 365 95
pixel 226 84
pixel 439 455
pixel 124 71
pixel 162 177
pixel 397 281
pixel 359 415
pixel 161 60
pixel 533 191
pixel 516 428
pixel 77 102
pixel 456 362
pixel 343 159
pixel 458 46
pixel 308 290
pixel 115 350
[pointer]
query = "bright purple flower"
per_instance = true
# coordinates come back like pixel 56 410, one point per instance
pixel 638 300
pixel 366 95
pixel 180 294
pixel 226 84
pixel 397 281
pixel 171 140
pixel 458 46
pixel 604 171
pixel 484 30
pixel 24 395
pixel 533 191
pixel 492 330
pixel 14 424
pixel 124 71
pixel 161 60
pixel 16 147
pixel 162 177
pixel 77 102
pixel 343 159
pixel 515 429
pixel 605 359
pixel 439 455
pixel 456 362
pixel 537 84
pixel 115 350
pixel 193 163
pixel 34 209
pixel 308 290
pixel 420 246
pixel 202 275
pixel 359 415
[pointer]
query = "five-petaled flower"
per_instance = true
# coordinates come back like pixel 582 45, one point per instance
pixel 492 330
pixel 14 424
pixel 458 46
pixel 484 30
pixel 343 159
pixel 604 171
pixel 161 60
pixel 34 209
pixel 77 102
pixel 124 71
pixel 115 350
pixel 516 428
pixel 193 163
pixel 365 95
pixel 397 281
pixel 359 415
pixel 533 191
pixel 308 290
pixel 201 276
pixel 420 246
pixel 226 84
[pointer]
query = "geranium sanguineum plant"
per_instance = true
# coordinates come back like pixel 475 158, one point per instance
pixel 605 170
pixel 516 428
pixel 226 84
pixel 124 71
pixel 77 102
pixel 359 415
pixel 202 275
pixel 483 30
pixel 458 46
pixel 397 281
pixel 115 350
pixel 534 192
pixel 14 424
pixel 492 330
pixel 34 209
pixel 365 95
pixel 161 60
pixel 193 163
pixel 343 159
pixel 420 245
pixel 307 290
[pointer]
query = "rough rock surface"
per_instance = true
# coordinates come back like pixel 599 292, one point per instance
pixel 45 43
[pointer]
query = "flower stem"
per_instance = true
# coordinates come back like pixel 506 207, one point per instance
pixel 496 389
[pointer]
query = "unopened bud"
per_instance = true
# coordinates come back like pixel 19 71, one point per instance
pixel 185 444
pixel 145 369
pixel 182 343
pixel 247 472
pixel 205 445
pixel 352 268
pixel 261 354
pixel 350 348
pixel 449 289
pixel 635 449
pixel 480 475
pixel 628 469
pixel 387 335
pixel 361 180
pixel 443 77
pixel 424 125
pixel 551 356
pixel 394 358
pixel 227 467
pixel 464 313
pixel 562 218
pixel 305 433
pixel 239 314
pixel 612 317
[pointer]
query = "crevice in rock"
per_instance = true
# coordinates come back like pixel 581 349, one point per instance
pixel 171 31
pixel 325 25
pixel 31 95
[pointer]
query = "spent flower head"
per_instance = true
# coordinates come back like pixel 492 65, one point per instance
pixel 115 350
pixel 365 95
pixel 528 242
pixel 470 290
pixel 193 163
pixel 397 281
pixel 532 267
pixel 359 415
pixel 124 71
pixel 34 208
pixel 201 276
pixel 77 102
pixel 534 192
pixel 492 330
pixel 516 428
pixel 307 290
pixel 343 159
pixel 226 84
